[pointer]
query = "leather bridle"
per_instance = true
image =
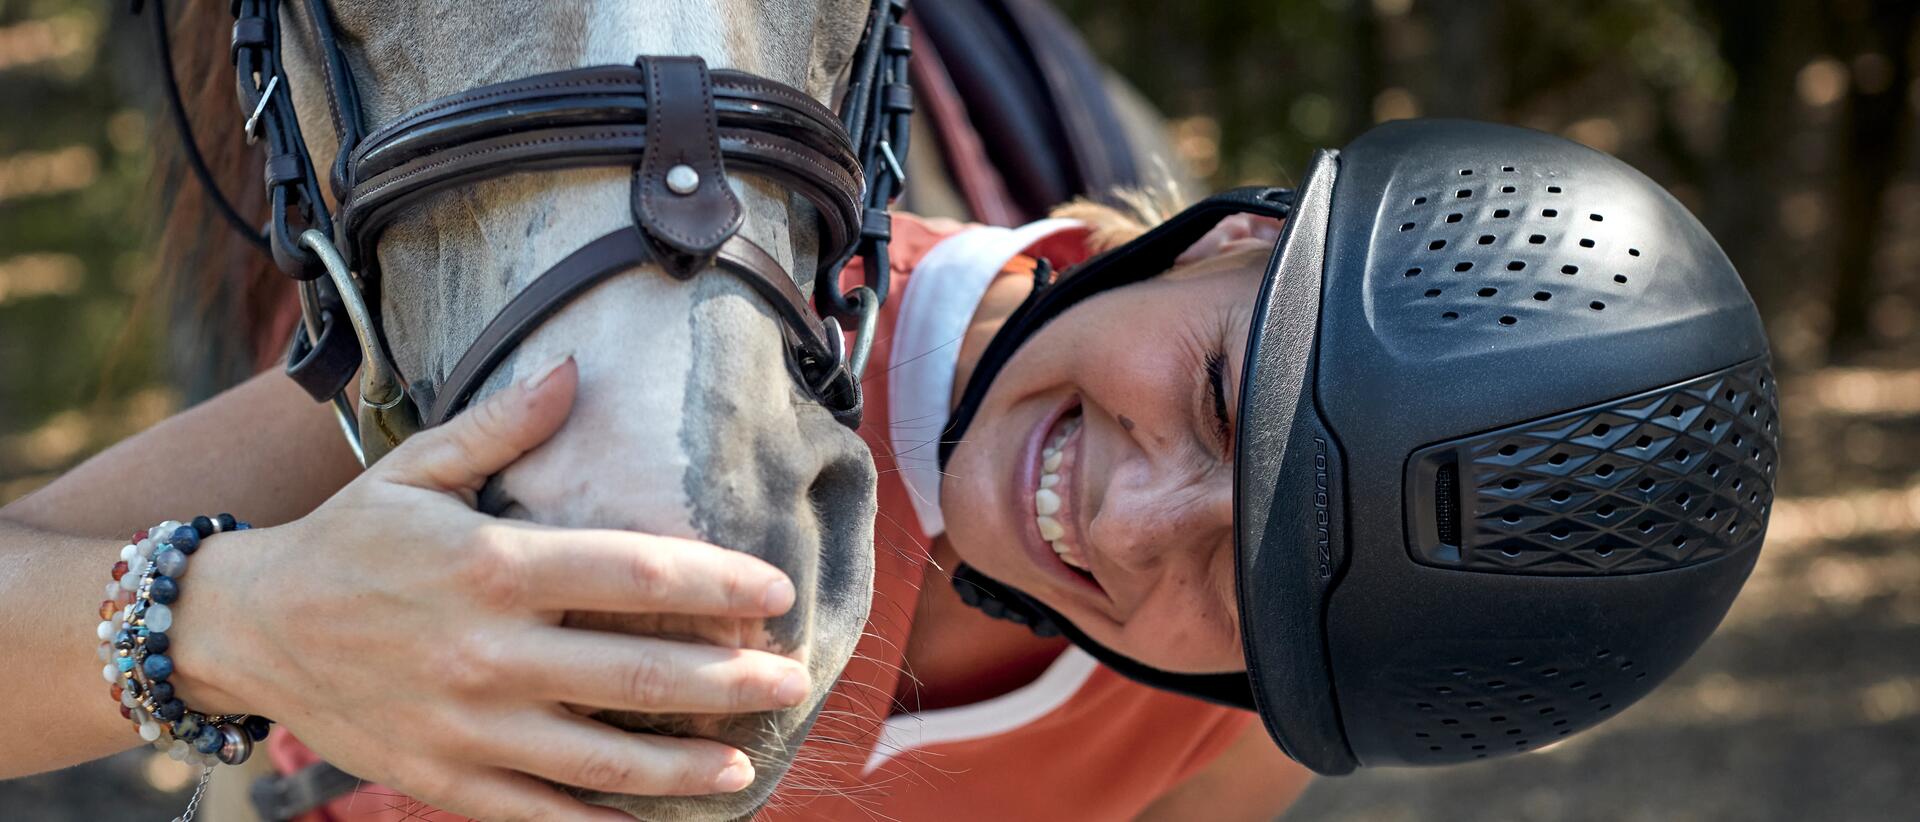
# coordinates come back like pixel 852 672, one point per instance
pixel 680 126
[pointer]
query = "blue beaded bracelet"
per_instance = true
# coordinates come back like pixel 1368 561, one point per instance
pixel 134 645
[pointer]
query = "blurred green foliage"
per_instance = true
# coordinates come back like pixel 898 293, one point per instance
pixel 75 356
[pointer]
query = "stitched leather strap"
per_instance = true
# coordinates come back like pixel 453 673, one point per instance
pixel 688 218
pixel 616 252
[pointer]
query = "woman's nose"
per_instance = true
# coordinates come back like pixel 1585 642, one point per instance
pixel 1140 523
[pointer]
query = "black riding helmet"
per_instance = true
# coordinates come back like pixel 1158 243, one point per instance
pixel 1506 449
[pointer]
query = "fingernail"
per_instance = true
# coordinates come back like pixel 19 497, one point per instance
pixel 779 597
pixel 792 689
pixel 737 776
pixel 540 375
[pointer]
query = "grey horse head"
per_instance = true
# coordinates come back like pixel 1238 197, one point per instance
pixel 687 422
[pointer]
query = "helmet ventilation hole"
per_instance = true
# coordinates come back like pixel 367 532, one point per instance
pixel 1507 189
pixel 1633 252
pixel 1501 213
pixel 1509 320
pixel 1509 450
pixel 1486 239
pixel 1620 278
pixel 1537 239
pixel 1413 272
pixel 1569 269
pixel 1419 201
pixel 1597 305
pixel 1549 213
pixel 1463 266
pixel 1406 226
pixel 1433 292
pixel 1464 193
pixel 1436 245
pixel 1455 217
pixel 1489 291
pixel 1595 217
pixel 1586 242
pixel 1542 296
pixel 1507 169
pixel 1553 189
pixel 1561 496
pixel 1451 315
pixel 1516 265
pixel 1466 172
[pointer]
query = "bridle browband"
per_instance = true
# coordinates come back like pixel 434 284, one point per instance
pixel 680 126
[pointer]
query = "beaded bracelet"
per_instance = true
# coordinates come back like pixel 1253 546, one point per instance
pixel 135 619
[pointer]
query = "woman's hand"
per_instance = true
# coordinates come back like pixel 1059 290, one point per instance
pixel 415 642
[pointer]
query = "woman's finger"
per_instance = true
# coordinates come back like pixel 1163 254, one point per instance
pixel 493 793
pixel 487 437
pixel 584 753
pixel 624 572
pixel 632 673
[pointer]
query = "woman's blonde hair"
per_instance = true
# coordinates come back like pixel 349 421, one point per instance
pixel 1126 214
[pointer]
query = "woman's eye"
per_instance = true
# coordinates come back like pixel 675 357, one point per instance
pixel 1216 386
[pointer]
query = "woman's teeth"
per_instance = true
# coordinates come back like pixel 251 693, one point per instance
pixel 1047 502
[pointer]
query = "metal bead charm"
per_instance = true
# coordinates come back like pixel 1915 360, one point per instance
pixel 235 746
pixel 682 179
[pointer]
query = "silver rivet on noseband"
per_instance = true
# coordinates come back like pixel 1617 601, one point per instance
pixel 682 179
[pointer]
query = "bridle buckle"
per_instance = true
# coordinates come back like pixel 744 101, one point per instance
pixel 252 127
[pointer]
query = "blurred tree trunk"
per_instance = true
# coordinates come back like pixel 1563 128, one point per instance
pixel 1758 43
pixel 1876 43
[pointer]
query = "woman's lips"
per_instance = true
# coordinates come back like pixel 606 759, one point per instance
pixel 1046 486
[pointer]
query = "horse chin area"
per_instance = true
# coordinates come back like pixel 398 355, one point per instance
pixel 769 737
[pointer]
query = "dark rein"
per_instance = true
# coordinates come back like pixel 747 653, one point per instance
pixel 679 126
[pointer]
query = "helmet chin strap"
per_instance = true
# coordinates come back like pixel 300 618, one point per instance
pixel 1144 257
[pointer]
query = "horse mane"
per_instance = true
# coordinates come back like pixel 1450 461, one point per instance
pixel 229 310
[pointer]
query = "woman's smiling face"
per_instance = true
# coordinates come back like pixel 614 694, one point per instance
pixel 1097 475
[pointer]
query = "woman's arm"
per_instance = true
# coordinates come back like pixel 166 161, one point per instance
pixel 1251 780
pixel 263 450
pixel 400 634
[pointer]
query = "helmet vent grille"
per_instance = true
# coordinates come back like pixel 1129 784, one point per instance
pixel 1655 481
pixel 1506 225
pixel 1464 712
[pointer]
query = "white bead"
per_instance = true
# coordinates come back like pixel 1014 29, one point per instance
pixel 128 699
pixel 145 547
pixel 149 731
pixel 105 631
pixel 138 566
pixel 128 552
pixel 111 673
pixel 140 716
pixel 130 582
pixel 106 653
pixel 113 589
pixel 159 617
pixel 164 529
pixel 179 750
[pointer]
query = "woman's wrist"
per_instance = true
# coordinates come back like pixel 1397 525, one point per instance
pixel 220 646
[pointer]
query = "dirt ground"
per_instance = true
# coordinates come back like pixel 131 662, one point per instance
pixel 1804 706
